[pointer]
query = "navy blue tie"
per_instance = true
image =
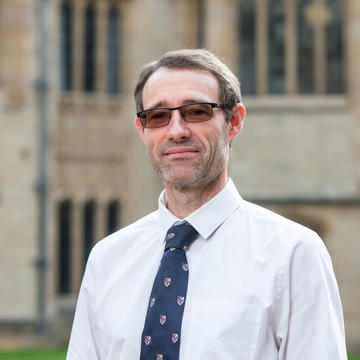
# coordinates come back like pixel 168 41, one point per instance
pixel 161 334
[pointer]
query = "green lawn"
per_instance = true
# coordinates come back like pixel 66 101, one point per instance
pixel 59 355
pixel 33 355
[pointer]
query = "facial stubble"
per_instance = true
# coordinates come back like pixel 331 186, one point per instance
pixel 183 173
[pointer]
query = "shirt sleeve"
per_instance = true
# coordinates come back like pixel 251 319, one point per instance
pixel 311 320
pixel 82 343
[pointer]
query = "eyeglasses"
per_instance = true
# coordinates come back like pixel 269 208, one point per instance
pixel 191 113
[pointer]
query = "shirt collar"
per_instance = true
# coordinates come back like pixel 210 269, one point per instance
pixel 207 218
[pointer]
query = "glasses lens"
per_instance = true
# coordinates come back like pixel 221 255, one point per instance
pixel 197 112
pixel 156 118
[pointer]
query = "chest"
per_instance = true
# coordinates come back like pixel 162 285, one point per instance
pixel 229 304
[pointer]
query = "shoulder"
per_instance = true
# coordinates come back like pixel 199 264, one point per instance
pixel 272 230
pixel 130 236
pixel 291 248
pixel 269 219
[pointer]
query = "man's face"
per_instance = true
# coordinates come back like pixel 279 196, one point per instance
pixel 184 154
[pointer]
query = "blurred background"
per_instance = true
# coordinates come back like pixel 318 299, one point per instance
pixel 72 168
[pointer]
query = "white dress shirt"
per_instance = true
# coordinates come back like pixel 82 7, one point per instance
pixel 260 287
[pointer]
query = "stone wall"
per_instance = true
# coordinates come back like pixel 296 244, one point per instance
pixel 18 217
pixel 299 155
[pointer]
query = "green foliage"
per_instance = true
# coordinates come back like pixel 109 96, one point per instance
pixel 54 354
pixel 58 354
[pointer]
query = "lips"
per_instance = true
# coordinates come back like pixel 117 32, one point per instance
pixel 180 152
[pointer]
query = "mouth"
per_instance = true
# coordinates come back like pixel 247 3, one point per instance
pixel 180 152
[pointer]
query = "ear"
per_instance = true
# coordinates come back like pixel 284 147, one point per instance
pixel 140 129
pixel 236 121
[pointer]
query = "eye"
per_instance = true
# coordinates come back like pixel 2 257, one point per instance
pixel 200 111
pixel 197 111
pixel 158 115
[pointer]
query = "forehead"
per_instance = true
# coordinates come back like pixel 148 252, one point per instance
pixel 174 87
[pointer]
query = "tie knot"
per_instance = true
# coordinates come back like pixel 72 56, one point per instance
pixel 180 236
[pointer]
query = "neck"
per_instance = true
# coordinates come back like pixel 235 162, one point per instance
pixel 183 201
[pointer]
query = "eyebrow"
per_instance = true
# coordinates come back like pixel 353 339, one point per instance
pixel 162 104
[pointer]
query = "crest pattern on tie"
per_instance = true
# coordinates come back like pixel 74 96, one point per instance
pixel 161 336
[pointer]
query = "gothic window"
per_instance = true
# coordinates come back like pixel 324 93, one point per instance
pixel 64 225
pixel 305 49
pixel 276 47
pixel 247 51
pixel 89 219
pixel 309 58
pixel 66 24
pixel 90 48
pixel 113 47
pixel 334 48
pixel 113 212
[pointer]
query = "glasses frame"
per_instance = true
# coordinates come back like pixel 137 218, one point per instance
pixel 142 114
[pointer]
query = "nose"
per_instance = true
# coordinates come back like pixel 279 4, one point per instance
pixel 178 128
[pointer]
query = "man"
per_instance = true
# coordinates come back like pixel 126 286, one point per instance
pixel 254 285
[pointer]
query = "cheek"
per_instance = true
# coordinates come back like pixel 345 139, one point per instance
pixel 152 141
pixel 217 141
pixel 212 147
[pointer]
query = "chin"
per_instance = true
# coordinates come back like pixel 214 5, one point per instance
pixel 181 180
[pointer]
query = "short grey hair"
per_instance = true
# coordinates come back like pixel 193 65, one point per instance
pixel 201 59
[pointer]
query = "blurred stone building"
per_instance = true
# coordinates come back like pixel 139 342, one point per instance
pixel 299 64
